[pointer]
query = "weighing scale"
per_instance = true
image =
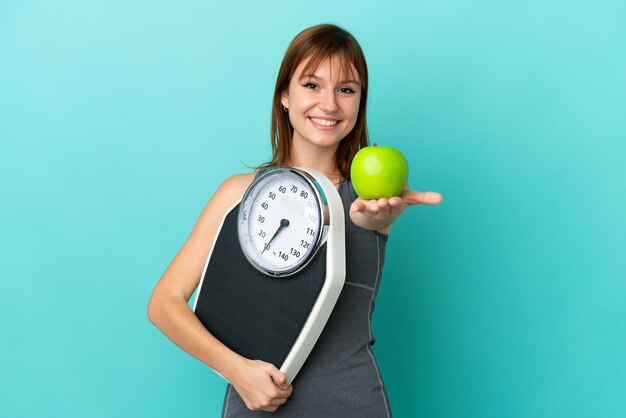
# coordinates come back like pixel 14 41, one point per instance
pixel 276 268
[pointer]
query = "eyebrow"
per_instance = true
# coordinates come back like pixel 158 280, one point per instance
pixel 318 78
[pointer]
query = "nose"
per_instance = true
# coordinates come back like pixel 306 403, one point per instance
pixel 328 102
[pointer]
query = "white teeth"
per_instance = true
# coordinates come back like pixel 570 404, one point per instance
pixel 324 122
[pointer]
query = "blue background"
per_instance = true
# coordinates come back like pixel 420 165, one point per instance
pixel 119 119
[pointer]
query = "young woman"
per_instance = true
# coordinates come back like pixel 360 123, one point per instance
pixel 318 121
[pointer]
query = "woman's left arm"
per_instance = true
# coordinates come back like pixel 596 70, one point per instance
pixel 378 215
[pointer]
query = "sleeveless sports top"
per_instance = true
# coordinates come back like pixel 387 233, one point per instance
pixel 340 378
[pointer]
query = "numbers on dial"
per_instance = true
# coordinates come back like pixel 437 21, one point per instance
pixel 281 213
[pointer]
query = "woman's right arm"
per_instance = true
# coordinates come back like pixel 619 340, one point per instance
pixel 261 385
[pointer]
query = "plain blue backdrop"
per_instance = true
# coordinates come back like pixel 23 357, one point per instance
pixel 119 119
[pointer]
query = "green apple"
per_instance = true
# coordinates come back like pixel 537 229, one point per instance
pixel 378 172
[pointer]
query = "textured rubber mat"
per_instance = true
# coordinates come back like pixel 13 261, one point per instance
pixel 255 315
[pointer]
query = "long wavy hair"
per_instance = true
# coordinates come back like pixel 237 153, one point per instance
pixel 316 44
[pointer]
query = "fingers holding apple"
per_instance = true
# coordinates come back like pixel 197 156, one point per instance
pixel 379 176
pixel 379 209
pixel 376 214
pixel 382 173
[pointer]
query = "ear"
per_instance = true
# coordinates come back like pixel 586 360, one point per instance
pixel 284 98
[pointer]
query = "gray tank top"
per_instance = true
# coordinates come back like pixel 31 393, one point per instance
pixel 340 377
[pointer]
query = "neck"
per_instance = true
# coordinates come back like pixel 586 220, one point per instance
pixel 321 159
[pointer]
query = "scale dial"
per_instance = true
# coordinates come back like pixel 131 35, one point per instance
pixel 281 220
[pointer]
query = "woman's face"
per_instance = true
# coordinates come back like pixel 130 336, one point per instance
pixel 323 106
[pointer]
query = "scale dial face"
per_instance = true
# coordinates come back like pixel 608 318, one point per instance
pixel 280 221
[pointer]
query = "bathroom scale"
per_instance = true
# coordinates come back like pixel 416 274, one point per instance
pixel 276 268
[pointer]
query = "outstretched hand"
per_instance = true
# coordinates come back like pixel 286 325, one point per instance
pixel 379 214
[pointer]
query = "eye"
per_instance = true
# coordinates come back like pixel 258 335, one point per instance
pixel 311 86
pixel 347 90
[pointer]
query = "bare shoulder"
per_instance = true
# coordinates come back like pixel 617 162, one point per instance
pixel 227 195
pixel 242 180
pixel 233 188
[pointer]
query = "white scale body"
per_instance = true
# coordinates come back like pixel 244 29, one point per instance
pixel 276 268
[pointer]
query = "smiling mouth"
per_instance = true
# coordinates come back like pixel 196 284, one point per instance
pixel 324 122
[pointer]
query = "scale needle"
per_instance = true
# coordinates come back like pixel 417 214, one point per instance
pixel 283 224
